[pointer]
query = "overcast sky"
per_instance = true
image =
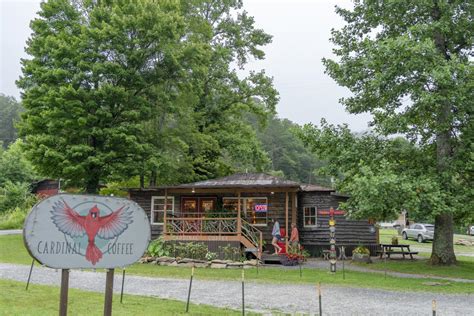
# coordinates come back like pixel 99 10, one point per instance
pixel 300 29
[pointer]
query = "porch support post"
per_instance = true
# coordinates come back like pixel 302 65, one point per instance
pixel 293 208
pixel 286 218
pixel 165 211
pixel 239 219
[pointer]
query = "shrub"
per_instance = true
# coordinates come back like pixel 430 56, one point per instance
pixel 13 219
pixel 211 256
pixel 361 250
pixel 192 250
pixel 230 252
pixel 16 195
pixel 394 240
pixel 159 248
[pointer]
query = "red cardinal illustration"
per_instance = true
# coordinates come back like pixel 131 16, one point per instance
pixel 109 226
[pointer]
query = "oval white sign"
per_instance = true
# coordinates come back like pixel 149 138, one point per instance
pixel 67 231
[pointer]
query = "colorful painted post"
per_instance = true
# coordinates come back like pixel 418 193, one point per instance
pixel 189 290
pixel 243 293
pixel 29 275
pixel 332 241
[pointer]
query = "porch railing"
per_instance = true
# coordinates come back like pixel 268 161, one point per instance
pixel 214 226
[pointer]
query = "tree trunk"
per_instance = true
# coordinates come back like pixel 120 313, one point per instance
pixel 92 185
pixel 443 249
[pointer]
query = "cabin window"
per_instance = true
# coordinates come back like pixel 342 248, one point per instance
pixel 309 216
pixel 158 208
pixel 253 209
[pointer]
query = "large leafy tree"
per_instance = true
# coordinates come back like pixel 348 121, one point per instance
pixel 95 72
pixel 10 111
pixel 409 63
pixel 224 97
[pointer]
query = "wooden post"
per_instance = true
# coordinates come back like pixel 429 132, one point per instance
pixel 64 292
pixel 294 218
pixel 109 289
pixel 165 211
pixel 239 219
pixel 286 219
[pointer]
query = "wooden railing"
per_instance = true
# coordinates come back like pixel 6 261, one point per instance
pixel 215 226
pixel 201 226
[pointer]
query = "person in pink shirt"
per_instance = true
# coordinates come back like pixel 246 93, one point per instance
pixel 295 236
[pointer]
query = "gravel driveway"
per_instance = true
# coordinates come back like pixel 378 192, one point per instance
pixel 264 297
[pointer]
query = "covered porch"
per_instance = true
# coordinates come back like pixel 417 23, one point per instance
pixel 231 209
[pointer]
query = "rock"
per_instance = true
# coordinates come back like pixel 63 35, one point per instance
pixel 252 262
pixel 248 266
pixel 201 265
pixel 219 261
pixel 165 259
pixel 173 264
pixel 235 264
pixel 146 259
pixel 464 242
pixel 185 260
pixel 218 265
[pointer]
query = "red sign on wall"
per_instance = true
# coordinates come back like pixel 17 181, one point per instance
pixel 260 208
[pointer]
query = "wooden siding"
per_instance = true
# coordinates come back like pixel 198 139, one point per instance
pixel 349 233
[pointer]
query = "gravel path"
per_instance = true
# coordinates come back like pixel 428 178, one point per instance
pixel 264 297
pixel 321 264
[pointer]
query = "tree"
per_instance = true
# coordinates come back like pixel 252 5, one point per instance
pixel 226 141
pixel 287 153
pixel 408 64
pixel 14 167
pixel 10 111
pixel 95 71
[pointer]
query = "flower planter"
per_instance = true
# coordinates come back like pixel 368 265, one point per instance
pixel 358 257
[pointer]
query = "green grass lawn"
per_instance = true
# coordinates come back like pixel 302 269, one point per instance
pixel 44 300
pixel 425 247
pixel 12 251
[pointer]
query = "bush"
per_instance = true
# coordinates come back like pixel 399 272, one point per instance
pixel 361 250
pixel 13 219
pixel 193 250
pixel 14 195
pixel 159 248
pixel 230 253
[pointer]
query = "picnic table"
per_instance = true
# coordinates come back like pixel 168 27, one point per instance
pixel 389 249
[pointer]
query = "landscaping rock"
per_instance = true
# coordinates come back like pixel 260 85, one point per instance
pixel 235 265
pixel 464 242
pixel 218 265
pixel 146 259
pixel 201 265
pixel 165 259
pixel 252 262
pixel 217 261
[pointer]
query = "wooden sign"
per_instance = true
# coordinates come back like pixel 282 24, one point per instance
pixel 69 231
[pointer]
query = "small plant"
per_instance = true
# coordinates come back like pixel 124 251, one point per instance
pixel 361 250
pixel 211 256
pixel 159 248
pixel 230 252
pixel 394 240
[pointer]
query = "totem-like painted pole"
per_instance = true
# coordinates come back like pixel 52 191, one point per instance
pixel 332 241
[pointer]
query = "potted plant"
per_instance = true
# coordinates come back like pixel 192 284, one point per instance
pixel 361 254
pixel 394 240
pixel 294 255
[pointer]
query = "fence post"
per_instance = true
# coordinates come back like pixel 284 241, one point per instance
pixel 433 307
pixel 320 299
pixel 189 290
pixel 123 282
pixel 243 293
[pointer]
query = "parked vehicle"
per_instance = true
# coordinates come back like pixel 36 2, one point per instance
pixel 419 232
pixel 470 230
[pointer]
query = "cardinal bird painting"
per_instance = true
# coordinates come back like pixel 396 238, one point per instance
pixel 71 223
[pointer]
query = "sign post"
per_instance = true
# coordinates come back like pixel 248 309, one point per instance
pixel 68 231
pixel 64 292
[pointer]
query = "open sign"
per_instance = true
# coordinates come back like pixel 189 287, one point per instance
pixel 260 208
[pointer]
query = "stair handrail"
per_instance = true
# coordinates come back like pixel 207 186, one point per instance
pixel 252 234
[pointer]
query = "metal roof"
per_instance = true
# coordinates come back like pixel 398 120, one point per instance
pixel 306 187
pixel 242 180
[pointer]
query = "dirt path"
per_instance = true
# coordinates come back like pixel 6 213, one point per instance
pixel 264 297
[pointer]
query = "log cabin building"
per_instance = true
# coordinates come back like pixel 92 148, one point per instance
pixel 238 209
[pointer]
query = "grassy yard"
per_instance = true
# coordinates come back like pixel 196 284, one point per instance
pixel 387 234
pixel 13 251
pixel 44 300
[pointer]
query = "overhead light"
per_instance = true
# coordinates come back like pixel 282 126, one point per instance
pixel 192 191
pixel 272 193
